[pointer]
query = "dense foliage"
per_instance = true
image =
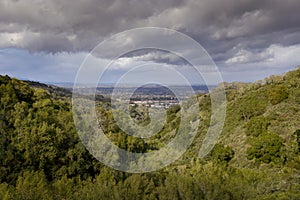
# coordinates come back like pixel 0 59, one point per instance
pixel 257 156
pixel 266 148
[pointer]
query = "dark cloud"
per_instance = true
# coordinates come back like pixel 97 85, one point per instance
pixel 155 55
pixel 224 27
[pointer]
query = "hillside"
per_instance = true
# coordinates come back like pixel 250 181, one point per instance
pixel 257 156
pixel 52 89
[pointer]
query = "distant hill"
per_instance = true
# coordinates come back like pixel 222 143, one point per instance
pixel 59 91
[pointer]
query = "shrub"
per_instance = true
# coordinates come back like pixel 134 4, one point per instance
pixel 221 153
pixel 266 148
pixel 256 126
pixel 297 133
pixel 277 94
pixel 250 105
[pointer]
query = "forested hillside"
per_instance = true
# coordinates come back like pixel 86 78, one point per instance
pixel 257 157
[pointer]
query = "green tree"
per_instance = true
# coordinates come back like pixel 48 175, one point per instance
pixel 32 185
pixel 5 194
pixel 221 153
pixel 256 126
pixel 297 133
pixel 266 148
pixel 277 94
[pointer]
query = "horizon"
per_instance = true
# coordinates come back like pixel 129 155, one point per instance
pixel 111 84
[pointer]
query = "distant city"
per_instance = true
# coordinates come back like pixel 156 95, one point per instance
pixel 150 95
pixel 155 96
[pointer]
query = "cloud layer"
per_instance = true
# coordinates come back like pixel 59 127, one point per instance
pixel 223 27
pixel 247 39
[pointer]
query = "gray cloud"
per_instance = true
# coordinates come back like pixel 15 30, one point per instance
pixel 224 27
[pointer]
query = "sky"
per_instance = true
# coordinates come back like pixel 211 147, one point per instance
pixel 48 41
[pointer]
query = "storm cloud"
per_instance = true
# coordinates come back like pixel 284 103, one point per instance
pixel 233 32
